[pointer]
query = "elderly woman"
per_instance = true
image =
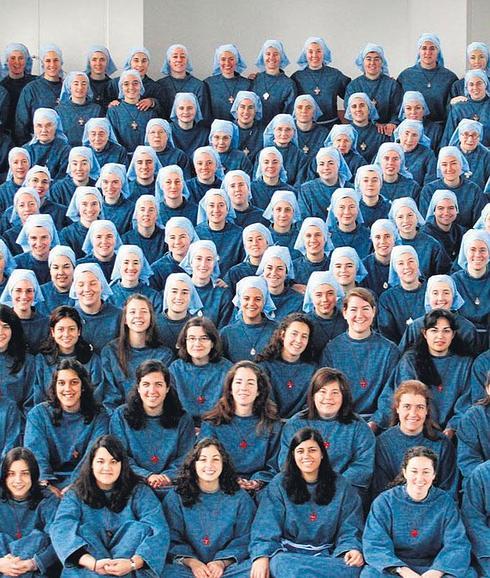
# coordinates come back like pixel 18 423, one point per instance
pixel 99 135
pixel 344 138
pixel 158 135
pixel 224 138
pixel 467 136
pixel 477 57
pixel 19 162
pixel 419 157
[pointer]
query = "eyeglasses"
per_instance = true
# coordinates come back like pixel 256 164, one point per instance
pixel 201 339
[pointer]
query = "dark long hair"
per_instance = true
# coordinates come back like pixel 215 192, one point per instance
pixel 210 330
pixel 152 338
pixel 89 408
pixel 83 350
pixel 486 400
pixel 415 452
pixel 414 387
pixel 264 408
pixel 172 410
pixel 187 483
pixel 16 349
pixel 86 486
pixel 294 483
pixel 322 377
pixel 15 454
pixel 272 351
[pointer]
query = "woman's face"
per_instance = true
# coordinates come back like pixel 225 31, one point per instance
pixel 342 143
pixel 246 111
pixel 346 211
pixel 328 400
pixel 40 183
pixel 359 315
pixel 106 469
pixel 383 243
pixel 255 244
pixel 5 335
pixel 173 186
pixel 45 130
pixel 221 141
pixel 205 166
pixel 178 242
pixel 238 190
pixel 304 111
pixel 179 297
pixel 244 387
pixel 391 163
pixel 440 296
pixel 469 140
pixel 198 343
pixel 445 212
pixel 186 111
pixel 144 167
pixel 324 299
pixel 451 169
pixel 69 390
pixel 409 139
pixel 131 268
pixel 476 88
pixel 308 457
pixel 270 166
pixel 227 63
pixel 61 271
pixel 131 87
pixel 16 63
pixel 111 187
pixel 428 53
pixel 88 289
pixel 412 412
pixel 373 64
pixel 327 169
pixel 272 59
pixel 314 241
pixel 98 63
pixel 146 215
pixel 283 134
pixel 314 56
pixel 157 137
pixel 370 184
pixel 19 165
pixel 216 210
pixel 18 480
pixel 359 110
pixel 202 264
pixel 414 110
pixel 104 243
pixel 252 304
pixel 52 65
pixel 439 337
pixel 477 254
pixel 39 239
pixel 295 339
pixel 477 60
pixel 138 316
pixel 344 271
pixel 98 138
pixel 89 208
pixel 153 390
pixel 140 63
pixel 283 214
pixel 23 295
pixel 178 60
pixel 406 221
pixel 407 268
pixel 66 334
pixel 79 168
pixel 275 273
pixel 419 475
pixel 79 87
pixel 209 465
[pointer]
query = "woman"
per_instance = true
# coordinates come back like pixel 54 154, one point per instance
pixel 152 426
pixel 237 186
pixel 247 112
pixel 309 518
pixel 373 205
pixel 39 178
pixel 467 136
pixel 270 176
pixel 224 138
pixel 99 66
pixel 419 157
pixel 415 529
pixel 56 292
pixel 284 215
pixel 188 132
pixel 61 430
pixel 100 246
pixel 344 138
pixel 117 206
pixel 158 135
pixel 315 246
pixel 26 202
pixel 172 195
pixel 7 264
pixel 209 173
pixel 19 162
pixel 117 522
pixel 347 268
pixel 414 108
pixel 346 436
pixel 138 340
pixel 142 172
pixel 200 370
pixel 25 516
pixel 99 135
pixel 311 135
pixel 209 517
pixel 411 425
pixel 384 237
pixel 477 58
pixel 397 179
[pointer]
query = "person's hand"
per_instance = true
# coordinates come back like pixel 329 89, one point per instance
pixel 65 489
pixel 389 128
pixel 299 287
pixel 260 568
pixel 405 572
pixel 158 481
pixel 354 558
pixel 252 75
pixel 433 574
pixel 373 426
pixel 220 283
pixel 11 566
pixel 118 567
pixel 216 568
pixel 250 485
pixel 198 568
pixel 457 99
pixel 113 103
pixel 145 104
pixel 448 432
pixel 56 491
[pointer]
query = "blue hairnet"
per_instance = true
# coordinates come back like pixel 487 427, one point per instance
pixel 183 97
pixel 186 262
pixel 317 111
pixel 51 115
pixel 259 228
pixel 36 169
pixel 120 172
pixel 73 211
pixel 32 221
pixel 16 276
pixel 64 251
pixel 279 120
pixel 351 254
pixel 366 169
pixel 202 216
pixel 96 227
pixel 373 113
pixel 195 303
pixel 257 283
pixel 144 199
pixel 280 252
pixel 236 173
pixel 181 223
pixel 95 269
pixel 479 74
pixel 458 301
pixel 371 47
pixel 220 173
pixel 166 66
pixel 344 129
pixel 12 153
pixel 139 150
pixel 469 237
pixel 483 48
pixel 110 66
pixel 278 45
pixel 166 127
pixel 393 146
pixel 161 176
pixel 452 151
pixel 429 37
pixel 12 47
pixel 414 125
pixel 480 224
pixel 243 95
pixel 10 263
pixel 23 191
pixel 438 196
pixel 277 197
pixel 102 123
pixel 300 246
pixel 87 153
pixel 49 48
pixel 412 96
pixel 327 55
pixel 385 225
pixel 283 176
pixel 338 195
pixel 397 204
pixel 132 52
pixel 465 124
pixel 125 250
pixel 228 128
pixel 65 94
pixel 344 172
pixel 122 78
pixel 240 63
pixel 393 278
pixel 316 279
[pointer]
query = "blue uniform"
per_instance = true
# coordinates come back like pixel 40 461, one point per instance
pixel 170 86
pixel 479 376
pixel 190 139
pixel 476 295
pixel 473 439
pixel 74 117
pixel 169 329
pixel 121 294
pixel 359 239
pixel 7 192
pixel 277 94
pixel 476 110
pixel 244 341
pixel 237 272
pixel 197 190
pixel 54 155
pixel 111 153
pixel 35 329
pixel 421 162
pixel 120 213
pixel 250 140
pixel 153 247
pixel 325 330
pixel 402 187
pixel 354 160
pixel 174 156
pixel 368 141
pixel 222 93
pixel 16 387
pixel 228 243
pixel 14 87
pixel 378 211
pixel 314 198
pixel 63 190
pixel 217 303
pixel 450 240
pixel 100 328
pixel 74 236
pixel 479 163
pixel 235 160
pixel 10 428
pixel 106 266
pixel 137 189
pixel 303 268
pixel 385 93
pixel 289 301
pixel 262 192
pixel 397 308
pixel 187 209
pixel 40 268
pixel 129 124
pixel 310 142
pixel 162 268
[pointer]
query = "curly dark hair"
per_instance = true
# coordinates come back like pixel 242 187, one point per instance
pixel 414 387
pixel 415 452
pixel 86 486
pixel 172 410
pixel 294 482
pixel 83 350
pixel 16 348
pixel 15 454
pixel 89 408
pixel 273 350
pixel 210 330
pixel 264 408
pixel 187 483
pixel 321 378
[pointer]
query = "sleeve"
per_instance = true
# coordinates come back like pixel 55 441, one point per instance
pixel 271 465
pixel 46 512
pixel 64 529
pixel 442 261
pixel 289 98
pixel 382 475
pixel 112 396
pixel 475 515
pixel 13 429
pixel 350 522
pixel 23 115
pixel 463 402
pixel 36 439
pixel 478 377
pixel 288 432
pixel 237 547
pixel 116 427
pixel 185 442
pixel 268 525
pixel 451 123
pixel 396 102
pixel 98 427
pixel 470 452
pixel 386 321
pixel 383 411
pixel 361 466
pixel 179 545
pixel 447 472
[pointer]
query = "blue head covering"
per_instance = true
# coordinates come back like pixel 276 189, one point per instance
pixel 122 78
pixel 162 175
pixel 13 153
pixel 10 263
pixel 480 224
pixel 12 47
pixel 393 278
pixel 87 153
pixel 279 120
pixel 366 169
pixel 429 37
pixel 16 276
pixel 49 48
pixel 183 97
pixel 203 205
pixel 469 237
pixel 166 66
pixel 23 191
pixel 278 45
pixel 32 221
pixel 317 111
pixel 300 246
pixel 385 225
pixel 393 146
pixel 120 172
pixel 62 251
pixel 110 67
pixel 166 127
pixel 283 176
pixel 316 279
pixel 476 74
pixel 351 254
pixel 243 95
pixel 236 173
pixel 345 129
pixel 195 303
pixel 373 113
pixel 96 227
pixel 186 262
pixel 327 55
pixel 132 52
pixel 144 199
pixel 228 128
pixel 259 228
pixel 438 196
pixel 371 47
pixel 405 202
pixel 73 211
pixel 257 283
pixel 414 125
pixel 343 168
pixel 277 197
pixel 465 125
pixel 139 150
pixel 95 269
pixel 180 223
pixel 122 253
pixel 52 116
pixel 220 173
pixel 452 151
pixel 458 301
pixel 94 123
pixel 240 63
pixel 412 96
pixel 65 94
pixel 337 196
pixel 483 48
pixel 281 253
